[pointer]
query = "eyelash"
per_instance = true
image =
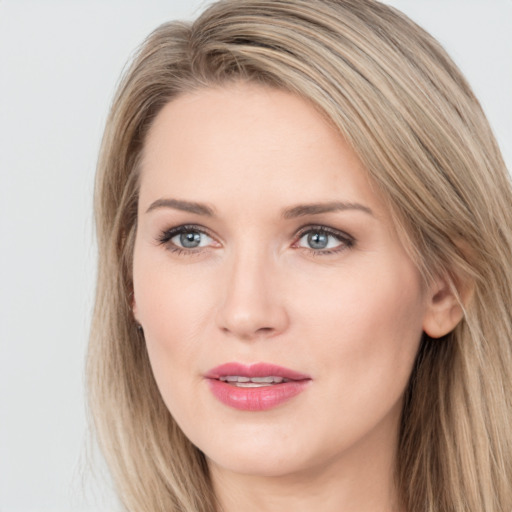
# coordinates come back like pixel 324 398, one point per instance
pixel 346 240
pixel 166 236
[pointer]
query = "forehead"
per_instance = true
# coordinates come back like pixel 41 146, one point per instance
pixel 252 142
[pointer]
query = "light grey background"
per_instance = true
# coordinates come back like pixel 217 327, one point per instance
pixel 59 64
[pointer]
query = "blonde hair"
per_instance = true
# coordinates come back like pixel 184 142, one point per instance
pixel 398 99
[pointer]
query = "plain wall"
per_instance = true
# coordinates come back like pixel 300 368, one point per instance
pixel 59 64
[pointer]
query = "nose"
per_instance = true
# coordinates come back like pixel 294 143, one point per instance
pixel 253 305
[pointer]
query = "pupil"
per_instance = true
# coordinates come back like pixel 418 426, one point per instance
pixel 191 239
pixel 318 240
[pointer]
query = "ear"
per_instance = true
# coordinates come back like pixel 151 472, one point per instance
pixel 444 307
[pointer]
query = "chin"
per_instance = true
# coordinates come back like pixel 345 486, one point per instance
pixel 269 456
pixel 257 464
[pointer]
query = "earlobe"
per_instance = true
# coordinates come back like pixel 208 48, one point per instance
pixel 445 308
pixel 133 305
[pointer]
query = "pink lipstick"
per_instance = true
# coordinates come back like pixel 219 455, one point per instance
pixel 255 387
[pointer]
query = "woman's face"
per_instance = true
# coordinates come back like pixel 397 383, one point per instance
pixel 281 313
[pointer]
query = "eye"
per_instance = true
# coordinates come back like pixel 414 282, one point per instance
pixel 183 238
pixel 191 239
pixel 323 239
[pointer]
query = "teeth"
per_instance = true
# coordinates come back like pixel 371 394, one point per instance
pixel 252 382
pixel 269 380
pixel 234 378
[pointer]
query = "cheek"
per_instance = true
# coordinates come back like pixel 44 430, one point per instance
pixel 367 326
pixel 172 308
pixel 362 332
pixel 168 298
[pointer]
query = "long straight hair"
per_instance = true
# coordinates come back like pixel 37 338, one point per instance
pixel 397 98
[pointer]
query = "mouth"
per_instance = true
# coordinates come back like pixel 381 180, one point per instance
pixel 255 387
pixel 252 382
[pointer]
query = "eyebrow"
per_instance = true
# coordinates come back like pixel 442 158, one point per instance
pixel 178 204
pixel 300 210
pixel 316 208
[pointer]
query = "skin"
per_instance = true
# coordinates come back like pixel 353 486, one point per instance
pixel 350 316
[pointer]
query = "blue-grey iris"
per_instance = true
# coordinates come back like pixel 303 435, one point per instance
pixel 318 240
pixel 191 239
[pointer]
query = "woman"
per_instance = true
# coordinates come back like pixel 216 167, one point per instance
pixel 304 284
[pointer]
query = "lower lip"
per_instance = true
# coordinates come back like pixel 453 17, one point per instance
pixel 256 399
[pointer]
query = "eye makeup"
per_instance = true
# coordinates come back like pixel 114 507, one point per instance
pixel 323 240
pixel 316 239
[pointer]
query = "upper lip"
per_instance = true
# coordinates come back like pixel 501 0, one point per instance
pixel 254 370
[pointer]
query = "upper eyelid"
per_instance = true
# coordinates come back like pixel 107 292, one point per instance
pixel 187 227
pixel 302 229
pixel 326 229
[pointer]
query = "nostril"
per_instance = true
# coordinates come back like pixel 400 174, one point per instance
pixel 265 330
